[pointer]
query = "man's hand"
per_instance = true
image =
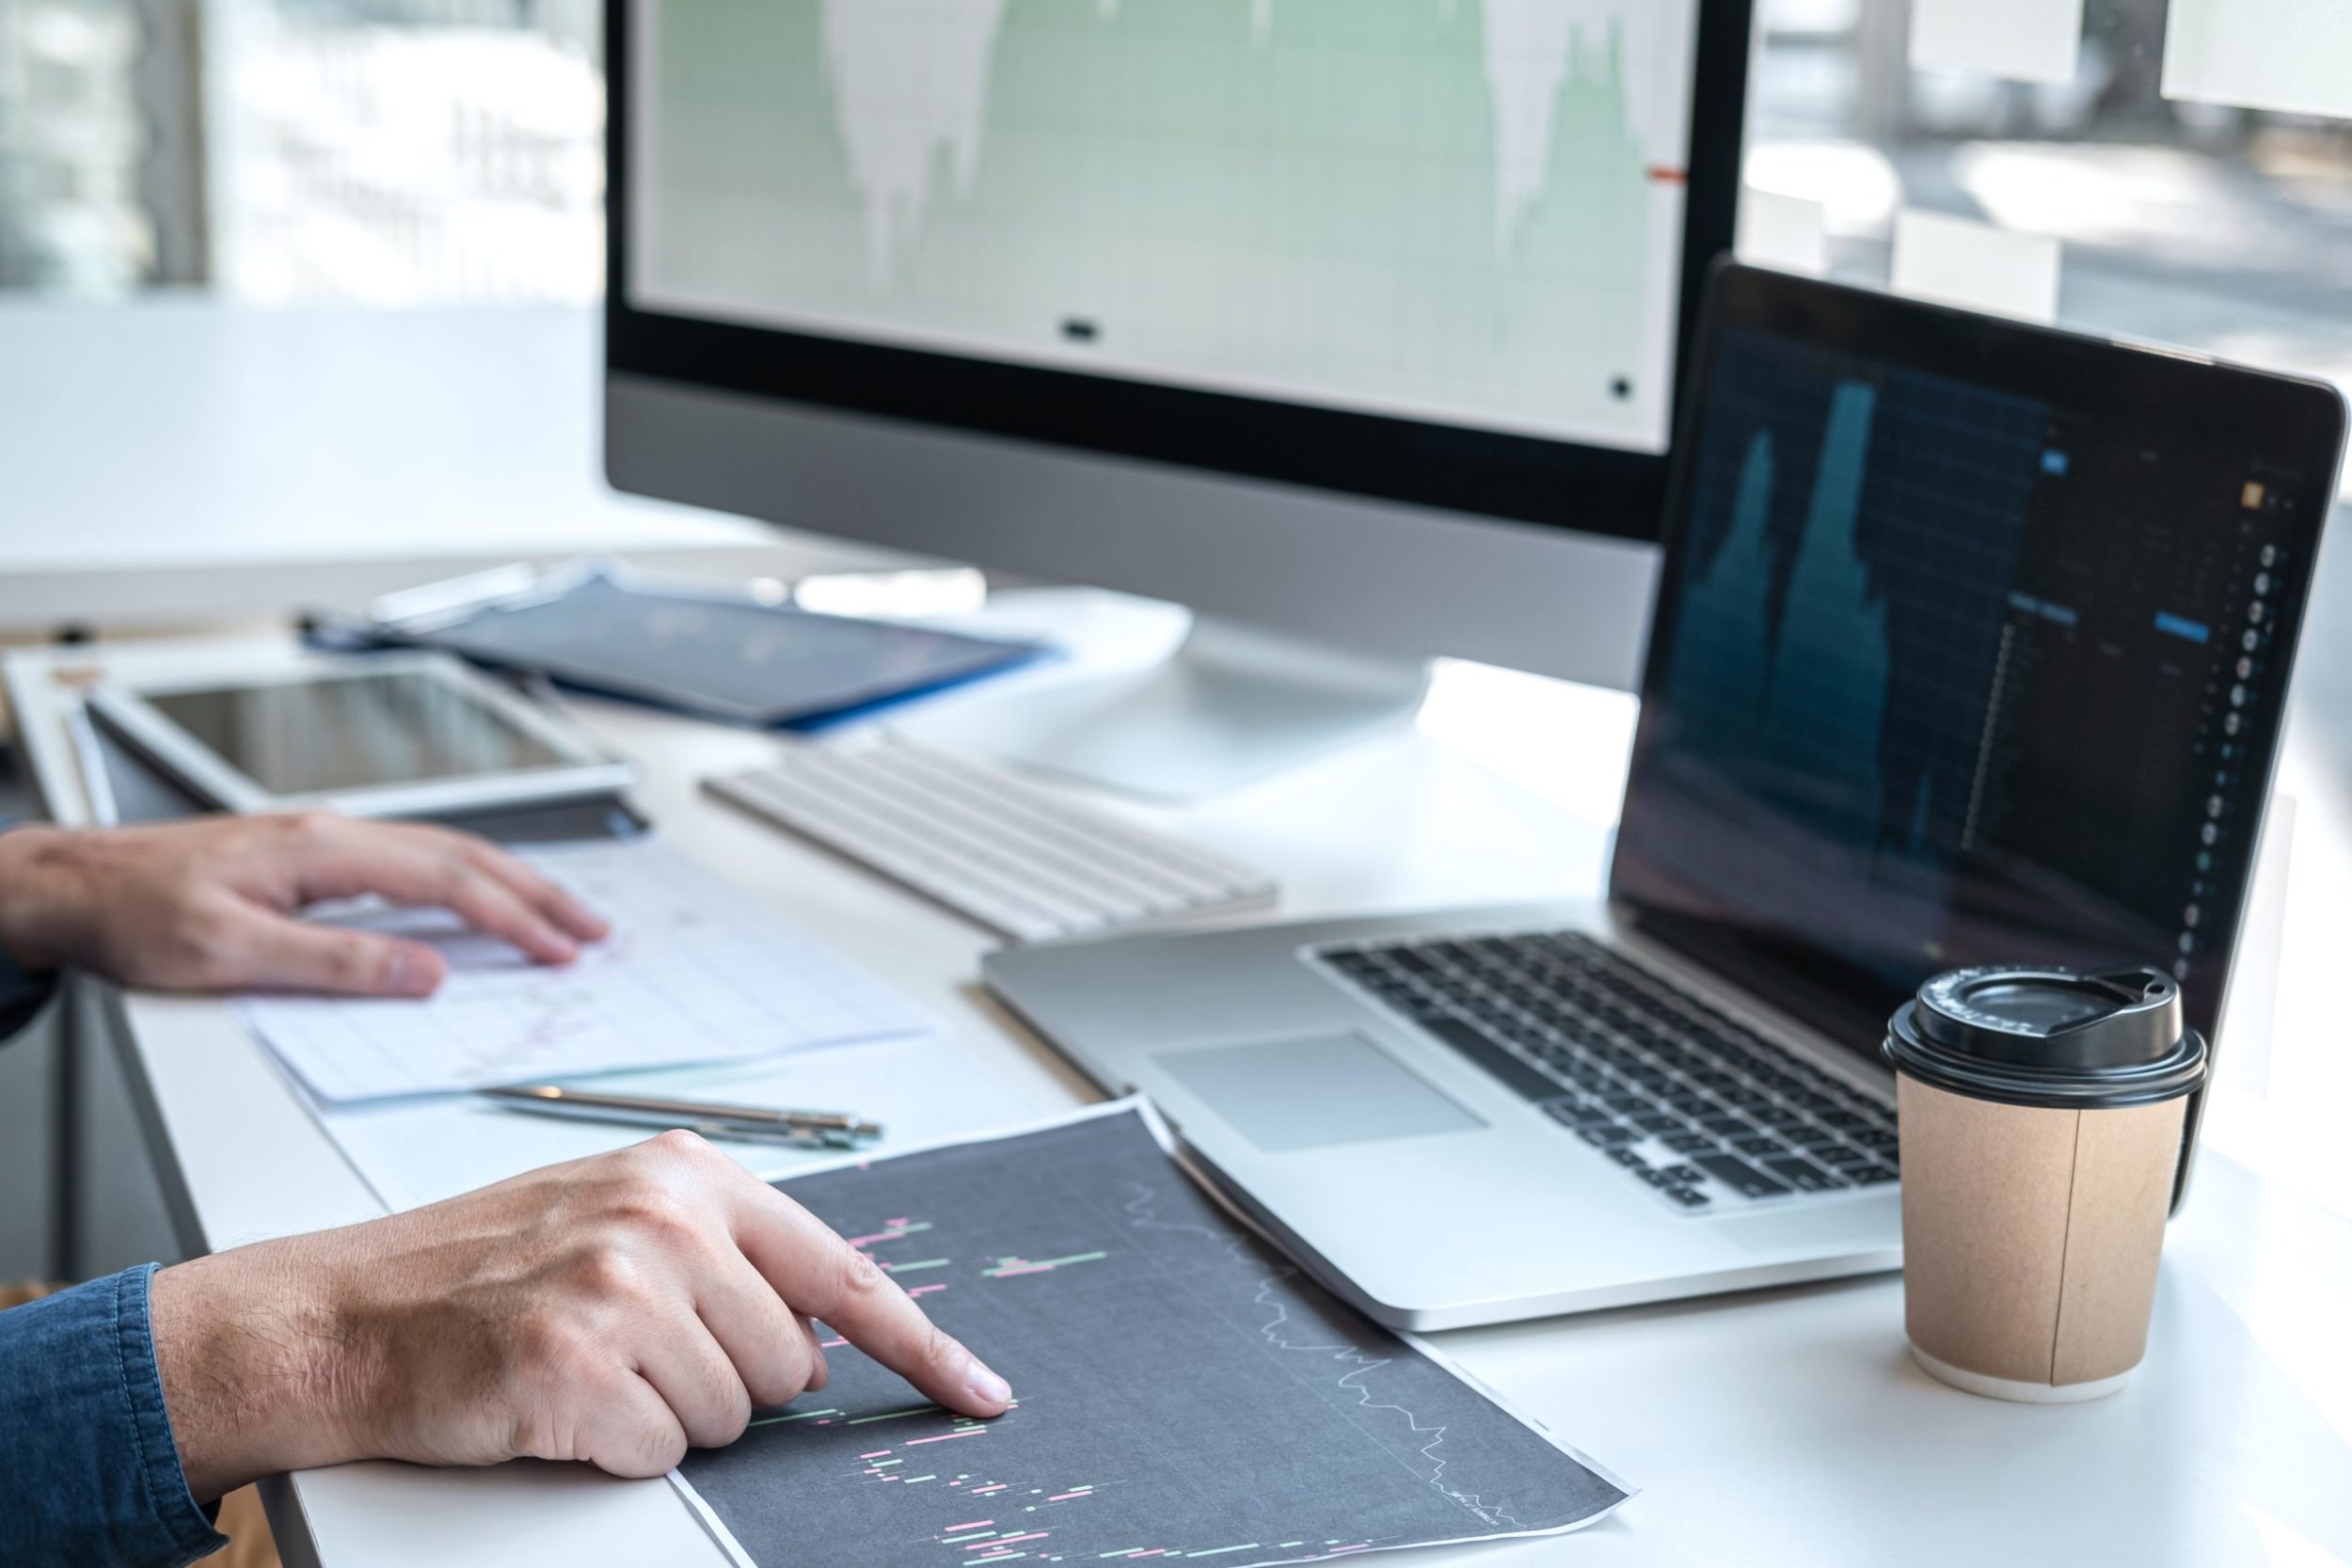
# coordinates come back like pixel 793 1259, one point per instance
pixel 615 1311
pixel 209 905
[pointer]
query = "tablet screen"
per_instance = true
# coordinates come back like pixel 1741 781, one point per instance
pixel 355 732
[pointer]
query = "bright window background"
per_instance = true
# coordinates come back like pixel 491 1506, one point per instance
pixel 421 152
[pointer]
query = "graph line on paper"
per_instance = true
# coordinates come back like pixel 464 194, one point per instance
pixel 1184 1391
pixel 695 970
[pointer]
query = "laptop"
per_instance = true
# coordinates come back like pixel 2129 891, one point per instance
pixel 1972 646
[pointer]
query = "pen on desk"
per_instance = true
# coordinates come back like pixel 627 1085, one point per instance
pixel 809 1128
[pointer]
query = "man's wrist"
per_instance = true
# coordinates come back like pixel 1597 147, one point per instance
pixel 261 1373
pixel 34 877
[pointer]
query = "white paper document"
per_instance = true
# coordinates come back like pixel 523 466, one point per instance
pixel 2022 40
pixel 1956 262
pixel 693 971
pixel 2293 56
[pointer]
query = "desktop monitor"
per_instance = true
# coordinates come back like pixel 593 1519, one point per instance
pixel 1353 324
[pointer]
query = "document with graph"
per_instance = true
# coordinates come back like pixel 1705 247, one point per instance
pixel 1182 1389
pixel 694 971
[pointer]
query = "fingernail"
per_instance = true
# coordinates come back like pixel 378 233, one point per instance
pixel 407 977
pixel 986 1386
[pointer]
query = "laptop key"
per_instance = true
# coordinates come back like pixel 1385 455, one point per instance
pixel 1873 1137
pixel 1684 1175
pixel 1840 1155
pixel 1498 1062
pixel 1689 1142
pixel 1660 1122
pixel 1739 1176
pixel 1583 1113
pixel 1603 1137
pixel 1871 1176
pixel 1626 1158
pixel 1804 1175
pixel 1688 1197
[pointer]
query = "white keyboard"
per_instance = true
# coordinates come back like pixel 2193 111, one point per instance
pixel 1024 862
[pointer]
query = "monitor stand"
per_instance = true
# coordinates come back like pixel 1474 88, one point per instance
pixel 1232 705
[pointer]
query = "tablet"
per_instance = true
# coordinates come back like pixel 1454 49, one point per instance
pixel 396 735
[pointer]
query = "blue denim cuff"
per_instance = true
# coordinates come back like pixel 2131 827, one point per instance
pixel 85 1438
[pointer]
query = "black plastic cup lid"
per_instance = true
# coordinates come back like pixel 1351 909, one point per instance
pixel 2065 1038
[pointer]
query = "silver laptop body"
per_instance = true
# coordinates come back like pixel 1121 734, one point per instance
pixel 1412 1179
pixel 1971 646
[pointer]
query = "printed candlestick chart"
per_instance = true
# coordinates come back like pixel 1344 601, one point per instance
pixel 1182 1391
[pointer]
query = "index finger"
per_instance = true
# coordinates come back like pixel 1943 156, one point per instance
pixel 820 1274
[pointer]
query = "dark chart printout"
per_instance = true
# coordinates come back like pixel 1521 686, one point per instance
pixel 1184 1392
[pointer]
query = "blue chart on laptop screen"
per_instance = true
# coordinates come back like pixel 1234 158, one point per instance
pixel 1954 675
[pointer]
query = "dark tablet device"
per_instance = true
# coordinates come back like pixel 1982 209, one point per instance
pixel 716 653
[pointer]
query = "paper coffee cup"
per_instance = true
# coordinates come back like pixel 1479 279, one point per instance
pixel 2041 1114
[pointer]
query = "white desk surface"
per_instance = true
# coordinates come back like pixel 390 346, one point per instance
pixel 1779 1427
pixel 179 457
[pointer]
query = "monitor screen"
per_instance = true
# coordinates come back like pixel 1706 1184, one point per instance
pixel 1466 214
pixel 1973 647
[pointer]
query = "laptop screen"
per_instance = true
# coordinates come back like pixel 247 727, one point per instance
pixel 1972 647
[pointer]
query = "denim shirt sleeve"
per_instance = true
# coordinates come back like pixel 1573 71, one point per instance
pixel 91 1471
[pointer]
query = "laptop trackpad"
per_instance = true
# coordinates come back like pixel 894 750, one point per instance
pixel 1311 1091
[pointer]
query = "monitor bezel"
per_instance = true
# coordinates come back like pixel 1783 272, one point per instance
pixel 1563 485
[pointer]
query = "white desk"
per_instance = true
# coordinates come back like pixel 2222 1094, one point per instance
pixel 1784 1427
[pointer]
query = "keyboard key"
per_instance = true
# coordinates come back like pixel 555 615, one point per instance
pixel 1840 1155
pixel 1871 1176
pixel 1725 1126
pixel 1739 1176
pixel 1759 1143
pixel 1626 1158
pixel 1515 1073
pixel 1683 1175
pixel 1804 1175
pixel 1873 1137
pixel 1660 1123
pixel 1694 1143
pixel 1602 1137
pixel 1776 1116
pixel 1584 1113
pixel 1688 1199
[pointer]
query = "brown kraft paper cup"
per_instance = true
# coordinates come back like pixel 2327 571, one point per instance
pixel 2031 1237
pixel 2039 1113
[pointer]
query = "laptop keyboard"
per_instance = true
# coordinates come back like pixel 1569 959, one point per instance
pixel 1698 1107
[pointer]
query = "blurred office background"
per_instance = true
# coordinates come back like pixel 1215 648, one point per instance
pixel 425 151
pixel 407 154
